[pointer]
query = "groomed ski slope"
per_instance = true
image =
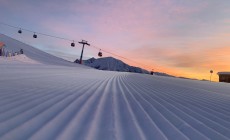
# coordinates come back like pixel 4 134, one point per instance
pixel 42 101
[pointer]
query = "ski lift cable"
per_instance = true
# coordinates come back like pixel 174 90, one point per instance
pixel 73 42
pixel 36 32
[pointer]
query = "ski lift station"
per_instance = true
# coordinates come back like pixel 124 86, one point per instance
pixel 224 77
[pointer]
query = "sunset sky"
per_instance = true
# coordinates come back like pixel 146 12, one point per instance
pixel 179 37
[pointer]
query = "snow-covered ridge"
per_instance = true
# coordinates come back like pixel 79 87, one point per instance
pixel 112 64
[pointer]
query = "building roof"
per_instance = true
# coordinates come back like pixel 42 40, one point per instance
pixel 1 44
pixel 223 73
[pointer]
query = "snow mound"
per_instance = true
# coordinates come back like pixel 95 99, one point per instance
pixel 18 59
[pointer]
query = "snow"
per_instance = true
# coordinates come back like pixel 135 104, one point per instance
pixel 45 99
pixel 18 59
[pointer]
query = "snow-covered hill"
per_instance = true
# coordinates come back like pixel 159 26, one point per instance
pixel 112 64
pixel 18 59
pixel 53 99
pixel 13 45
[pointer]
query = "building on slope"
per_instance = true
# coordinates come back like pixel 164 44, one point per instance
pixel 224 77
pixel 2 45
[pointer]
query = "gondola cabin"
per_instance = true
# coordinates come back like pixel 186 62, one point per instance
pixel 224 77
pixel 73 44
pixel 35 36
pixel 20 31
pixel 100 54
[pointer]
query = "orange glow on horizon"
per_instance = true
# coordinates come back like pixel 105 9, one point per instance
pixel 195 64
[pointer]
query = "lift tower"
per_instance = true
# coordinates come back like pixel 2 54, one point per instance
pixel 84 43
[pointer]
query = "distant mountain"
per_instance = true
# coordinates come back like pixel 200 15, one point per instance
pixel 162 74
pixel 112 64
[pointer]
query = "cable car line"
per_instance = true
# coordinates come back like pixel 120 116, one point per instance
pixel 21 29
pixel 35 35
